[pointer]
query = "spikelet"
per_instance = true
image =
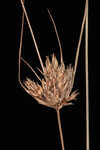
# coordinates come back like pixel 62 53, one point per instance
pixel 56 86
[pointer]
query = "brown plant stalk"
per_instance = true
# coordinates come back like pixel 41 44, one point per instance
pixel 56 86
pixel 87 82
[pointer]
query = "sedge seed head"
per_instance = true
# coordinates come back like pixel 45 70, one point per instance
pixel 56 85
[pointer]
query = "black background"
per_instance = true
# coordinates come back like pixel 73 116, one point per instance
pixel 37 125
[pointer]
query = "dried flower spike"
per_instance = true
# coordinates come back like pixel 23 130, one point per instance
pixel 56 86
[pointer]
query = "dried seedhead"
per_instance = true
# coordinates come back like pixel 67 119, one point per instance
pixel 55 90
pixel 56 85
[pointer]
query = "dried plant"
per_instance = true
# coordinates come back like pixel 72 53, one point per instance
pixel 55 87
pixel 55 90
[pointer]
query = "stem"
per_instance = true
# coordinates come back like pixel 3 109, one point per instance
pixel 31 69
pixel 87 81
pixel 80 39
pixel 55 28
pixel 20 51
pixel 60 129
pixel 32 34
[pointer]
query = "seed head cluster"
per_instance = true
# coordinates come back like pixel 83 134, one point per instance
pixel 56 85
